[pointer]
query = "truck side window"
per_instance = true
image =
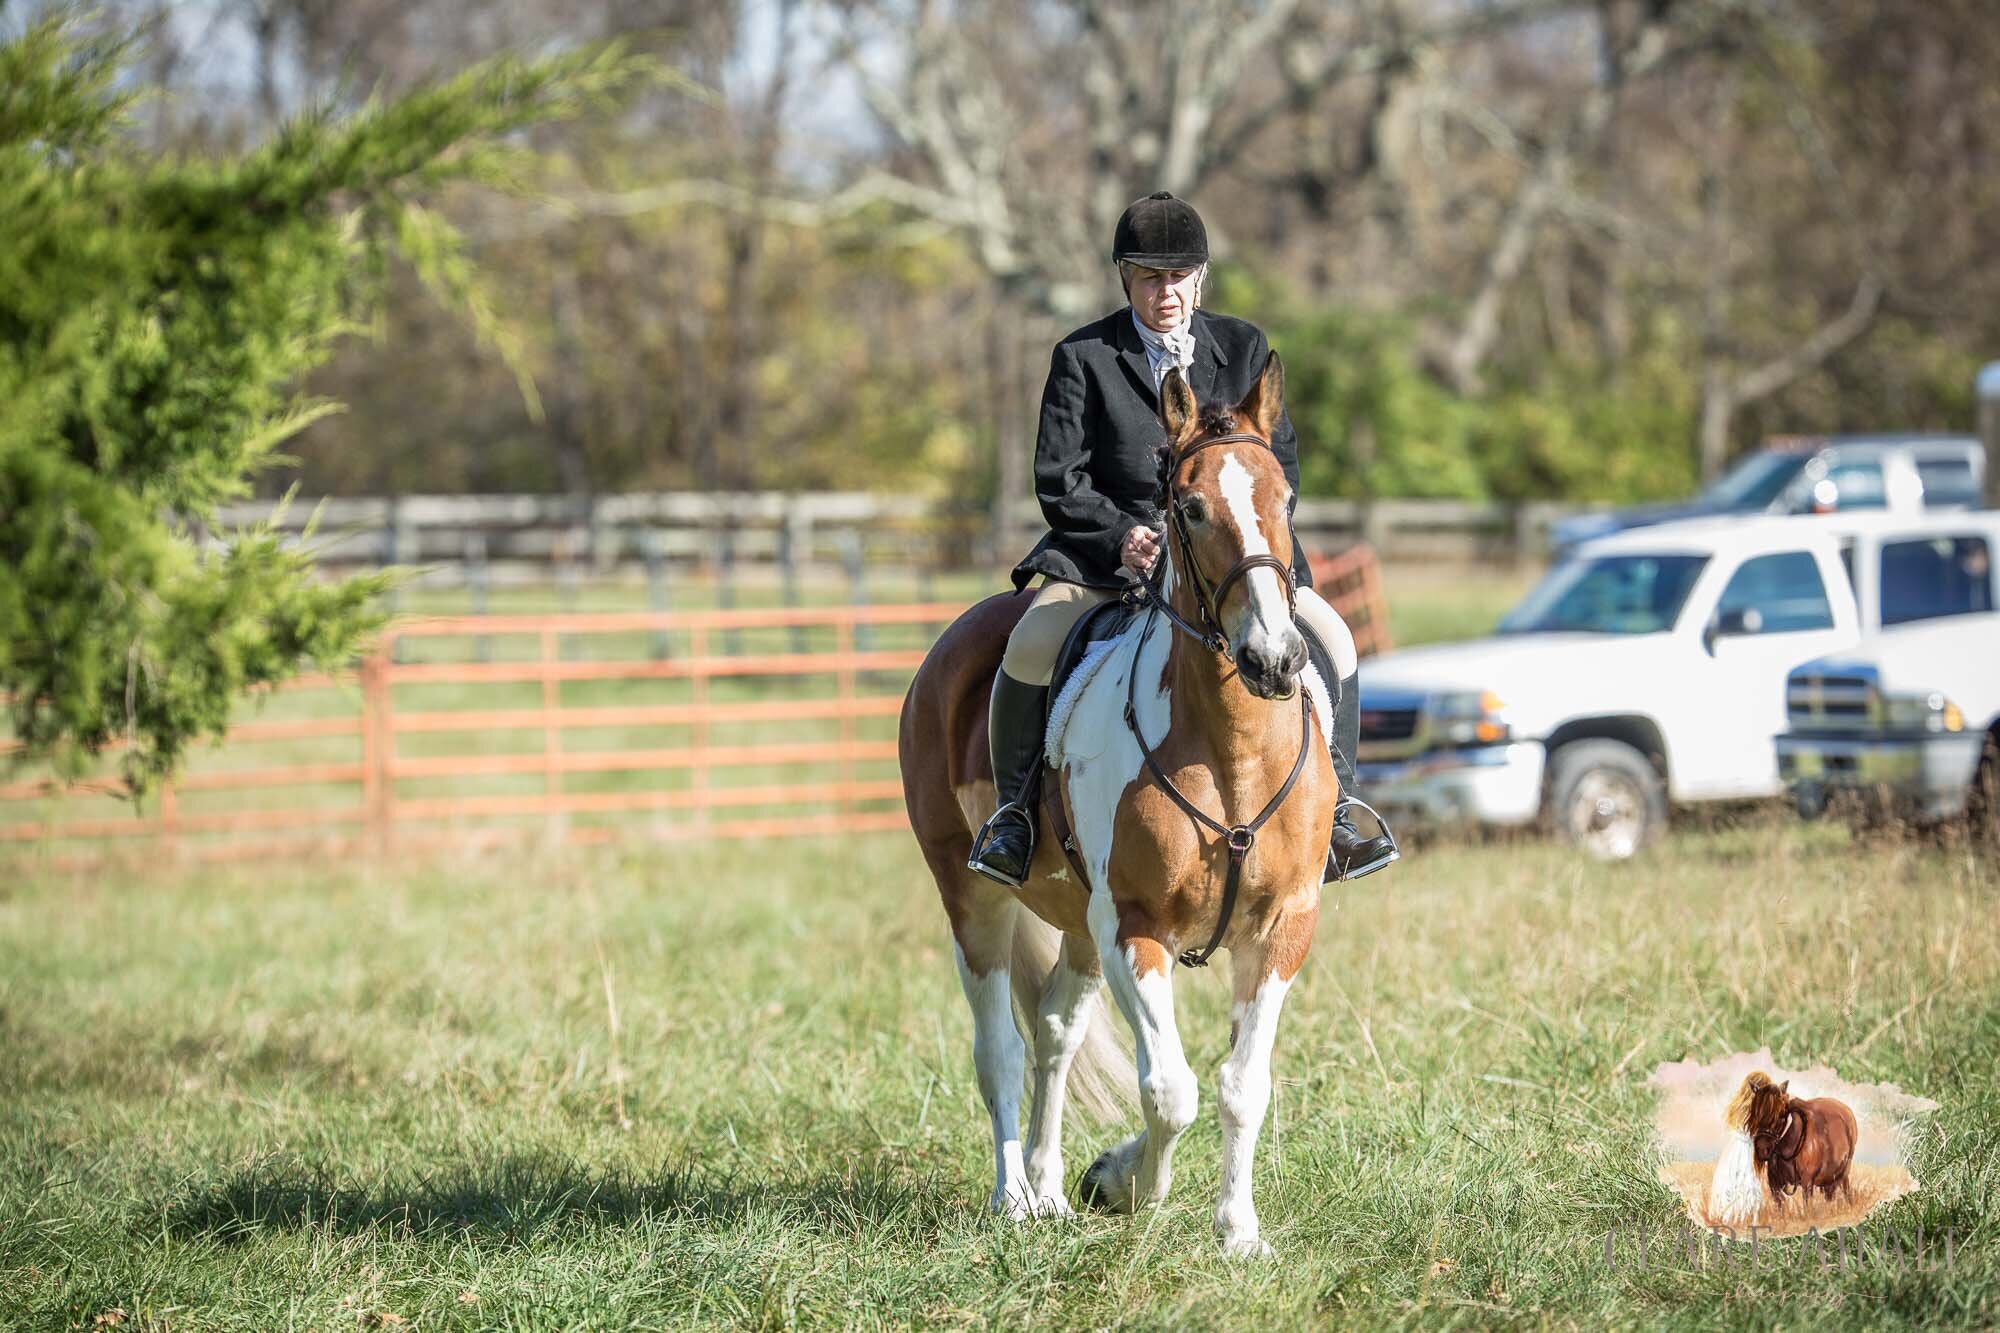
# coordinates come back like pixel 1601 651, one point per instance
pixel 1785 591
pixel 1934 577
pixel 1948 481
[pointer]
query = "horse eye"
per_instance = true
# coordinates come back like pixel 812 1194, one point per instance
pixel 1194 510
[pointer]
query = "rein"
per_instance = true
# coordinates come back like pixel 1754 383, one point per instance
pixel 1239 838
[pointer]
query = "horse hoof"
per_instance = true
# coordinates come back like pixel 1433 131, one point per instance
pixel 1053 1207
pixel 1099 1189
pixel 1013 1207
pixel 1246 1247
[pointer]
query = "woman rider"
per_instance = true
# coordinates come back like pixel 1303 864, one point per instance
pixel 1096 474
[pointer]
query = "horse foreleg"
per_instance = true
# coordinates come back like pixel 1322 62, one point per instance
pixel 1262 976
pixel 1139 968
pixel 983 932
pixel 1062 1022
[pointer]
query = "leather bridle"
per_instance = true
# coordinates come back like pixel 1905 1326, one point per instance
pixel 1209 597
pixel 1238 838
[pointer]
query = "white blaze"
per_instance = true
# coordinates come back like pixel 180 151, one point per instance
pixel 1269 621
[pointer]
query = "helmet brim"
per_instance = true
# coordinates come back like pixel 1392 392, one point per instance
pixel 1184 259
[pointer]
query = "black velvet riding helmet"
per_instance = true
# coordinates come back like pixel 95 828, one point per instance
pixel 1160 231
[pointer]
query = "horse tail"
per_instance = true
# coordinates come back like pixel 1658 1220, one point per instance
pixel 1103 1082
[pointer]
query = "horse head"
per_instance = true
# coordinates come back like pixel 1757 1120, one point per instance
pixel 1759 1104
pixel 1229 519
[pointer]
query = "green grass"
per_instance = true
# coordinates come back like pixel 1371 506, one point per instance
pixel 336 1096
pixel 1447 603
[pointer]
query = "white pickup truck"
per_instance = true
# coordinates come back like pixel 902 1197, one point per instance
pixel 1908 719
pixel 1648 667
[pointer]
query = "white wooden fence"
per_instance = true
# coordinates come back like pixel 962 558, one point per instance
pixel 526 538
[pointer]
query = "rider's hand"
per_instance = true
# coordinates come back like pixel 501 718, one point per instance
pixel 1139 550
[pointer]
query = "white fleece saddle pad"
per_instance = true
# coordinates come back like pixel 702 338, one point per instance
pixel 1093 660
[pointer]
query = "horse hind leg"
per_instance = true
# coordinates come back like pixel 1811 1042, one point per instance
pixel 982 926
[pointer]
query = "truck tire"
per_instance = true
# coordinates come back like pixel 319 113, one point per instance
pixel 1606 798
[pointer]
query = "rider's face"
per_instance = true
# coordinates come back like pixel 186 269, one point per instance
pixel 1163 298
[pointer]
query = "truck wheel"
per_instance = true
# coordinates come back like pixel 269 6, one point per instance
pixel 1606 798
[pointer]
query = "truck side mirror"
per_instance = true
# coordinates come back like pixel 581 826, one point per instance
pixel 1738 621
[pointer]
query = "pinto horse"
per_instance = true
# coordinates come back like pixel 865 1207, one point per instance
pixel 1802 1143
pixel 1199 788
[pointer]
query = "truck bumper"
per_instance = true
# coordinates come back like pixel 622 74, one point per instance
pixel 1495 784
pixel 1931 773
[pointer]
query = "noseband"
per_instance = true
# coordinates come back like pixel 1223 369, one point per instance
pixel 1209 597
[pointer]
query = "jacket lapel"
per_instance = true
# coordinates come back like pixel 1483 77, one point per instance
pixel 1208 359
pixel 1132 355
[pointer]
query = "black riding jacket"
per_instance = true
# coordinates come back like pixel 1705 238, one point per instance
pixel 1096 453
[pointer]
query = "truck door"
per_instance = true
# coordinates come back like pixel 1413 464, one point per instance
pixel 1774 613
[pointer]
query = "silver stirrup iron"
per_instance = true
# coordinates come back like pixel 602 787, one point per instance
pixel 985 830
pixel 1395 848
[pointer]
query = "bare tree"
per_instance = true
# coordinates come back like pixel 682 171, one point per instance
pixel 1147 96
pixel 1631 51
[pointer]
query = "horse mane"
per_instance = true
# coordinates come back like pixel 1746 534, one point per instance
pixel 1743 1105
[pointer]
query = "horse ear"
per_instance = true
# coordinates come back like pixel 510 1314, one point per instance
pixel 1177 407
pixel 1786 1086
pixel 1266 402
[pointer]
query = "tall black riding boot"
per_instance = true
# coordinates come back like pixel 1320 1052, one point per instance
pixel 1352 854
pixel 1006 844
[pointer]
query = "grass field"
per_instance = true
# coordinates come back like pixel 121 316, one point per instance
pixel 732 1085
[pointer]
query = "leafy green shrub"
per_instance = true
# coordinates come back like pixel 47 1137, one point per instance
pixel 153 316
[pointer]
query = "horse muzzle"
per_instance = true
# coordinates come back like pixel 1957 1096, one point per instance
pixel 1272 671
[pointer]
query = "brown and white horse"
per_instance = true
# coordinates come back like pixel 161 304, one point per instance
pixel 1220 713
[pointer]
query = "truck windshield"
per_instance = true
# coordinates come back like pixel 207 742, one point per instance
pixel 1755 480
pixel 1613 594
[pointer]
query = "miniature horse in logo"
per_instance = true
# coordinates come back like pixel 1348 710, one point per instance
pixel 1802 1144
pixel 1179 731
